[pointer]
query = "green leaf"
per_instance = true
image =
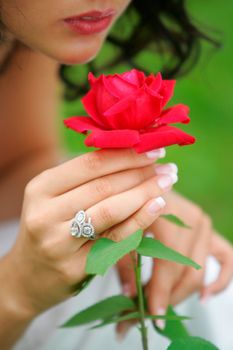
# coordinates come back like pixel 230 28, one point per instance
pixel 173 330
pixel 105 252
pixel 136 315
pixel 101 310
pixel 154 248
pixel 191 343
pixel 84 284
pixel 175 220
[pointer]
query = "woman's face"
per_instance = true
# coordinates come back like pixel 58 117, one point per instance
pixel 42 26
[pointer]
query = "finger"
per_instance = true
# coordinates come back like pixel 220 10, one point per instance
pixel 192 280
pixel 98 190
pixel 126 274
pixel 89 166
pixel 114 210
pixel 118 208
pixel 159 288
pixel 189 283
pixel 166 168
pixel 122 328
pixel 223 252
pixel 140 220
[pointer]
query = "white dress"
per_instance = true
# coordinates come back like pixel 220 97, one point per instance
pixel 213 321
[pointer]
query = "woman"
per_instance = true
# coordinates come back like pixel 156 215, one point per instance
pixel 38 268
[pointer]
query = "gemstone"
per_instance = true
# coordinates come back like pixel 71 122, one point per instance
pixel 87 230
pixel 75 229
pixel 80 217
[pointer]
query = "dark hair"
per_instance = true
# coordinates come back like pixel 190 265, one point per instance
pixel 147 27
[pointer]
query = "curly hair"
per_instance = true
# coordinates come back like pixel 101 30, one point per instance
pixel 161 31
pixel 147 27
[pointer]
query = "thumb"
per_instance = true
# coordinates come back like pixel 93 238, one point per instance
pixel 126 275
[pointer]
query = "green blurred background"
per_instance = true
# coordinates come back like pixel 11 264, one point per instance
pixel 206 168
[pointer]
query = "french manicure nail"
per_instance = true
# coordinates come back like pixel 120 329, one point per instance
pixel 149 234
pixel 160 323
pixel 166 168
pixel 125 326
pixel 205 298
pixel 119 336
pixel 126 289
pixel 156 204
pixel 166 180
pixel 156 153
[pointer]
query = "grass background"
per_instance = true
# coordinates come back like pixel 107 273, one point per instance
pixel 206 168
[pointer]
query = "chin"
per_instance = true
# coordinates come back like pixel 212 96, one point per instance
pixel 73 59
pixel 77 53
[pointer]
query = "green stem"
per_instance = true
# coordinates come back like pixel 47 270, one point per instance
pixel 141 302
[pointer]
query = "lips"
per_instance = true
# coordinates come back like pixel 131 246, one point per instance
pixel 90 22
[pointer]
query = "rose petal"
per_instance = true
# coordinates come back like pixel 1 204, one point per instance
pixel 174 114
pixel 118 87
pixel 81 124
pixel 134 112
pixel 161 137
pixel 167 90
pixel 113 138
pixel 120 106
pixel 146 111
pixel 153 84
pixel 89 102
pixel 134 76
pixel 91 78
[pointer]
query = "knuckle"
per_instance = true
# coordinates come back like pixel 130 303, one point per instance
pixel 105 216
pixel 31 221
pixel 92 161
pixel 31 187
pixel 103 187
pixel 114 235
pixel 67 274
pixel 162 292
pixel 196 278
pixel 133 156
pixel 46 249
pixel 139 221
pixel 34 185
pixel 110 234
pixel 34 221
pixel 141 173
pixel 149 190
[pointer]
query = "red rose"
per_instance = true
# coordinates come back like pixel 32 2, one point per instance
pixel 127 110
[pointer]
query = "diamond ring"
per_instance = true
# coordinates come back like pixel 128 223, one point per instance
pixel 80 228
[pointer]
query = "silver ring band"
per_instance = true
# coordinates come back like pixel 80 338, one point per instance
pixel 80 228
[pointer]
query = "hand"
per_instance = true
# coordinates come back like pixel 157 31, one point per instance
pixel 118 189
pixel 171 283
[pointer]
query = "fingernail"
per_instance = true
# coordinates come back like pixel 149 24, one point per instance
pixel 167 180
pixel 120 335
pixel 126 289
pixel 156 204
pixel 205 298
pixel 160 323
pixel 156 153
pixel 166 168
pixel 149 234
